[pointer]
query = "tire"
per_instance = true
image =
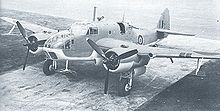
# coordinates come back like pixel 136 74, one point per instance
pixel 48 68
pixel 122 87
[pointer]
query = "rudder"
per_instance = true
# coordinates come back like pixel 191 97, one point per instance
pixel 164 21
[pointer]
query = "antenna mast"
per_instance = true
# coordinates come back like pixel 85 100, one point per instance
pixel 94 13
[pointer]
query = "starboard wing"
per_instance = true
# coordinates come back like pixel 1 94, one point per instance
pixel 176 53
pixel 30 26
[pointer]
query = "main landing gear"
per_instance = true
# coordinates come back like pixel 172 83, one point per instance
pixel 125 79
pixel 125 83
pixel 49 67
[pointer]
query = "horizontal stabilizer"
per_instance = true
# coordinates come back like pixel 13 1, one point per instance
pixel 173 32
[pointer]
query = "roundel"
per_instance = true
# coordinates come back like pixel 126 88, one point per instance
pixel 140 40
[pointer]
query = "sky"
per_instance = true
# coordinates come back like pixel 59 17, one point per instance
pixel 198 16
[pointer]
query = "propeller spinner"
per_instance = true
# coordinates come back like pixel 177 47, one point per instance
pixel 111 59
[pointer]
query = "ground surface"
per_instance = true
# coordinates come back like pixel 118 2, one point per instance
pixel 190 93
pixel 32 90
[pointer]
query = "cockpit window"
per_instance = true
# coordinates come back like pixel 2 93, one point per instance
pixel 92 30
pixel 67 45
pixel 79 28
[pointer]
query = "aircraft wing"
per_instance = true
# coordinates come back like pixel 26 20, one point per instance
pixel 194 44
pixel 33 27
pixel 143 51
pixel 164 52
pixel 176 53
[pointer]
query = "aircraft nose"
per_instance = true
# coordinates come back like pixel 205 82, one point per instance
pixel 61 40
pixel 60 44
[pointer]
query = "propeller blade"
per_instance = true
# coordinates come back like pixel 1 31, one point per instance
pixel 22 30
pixel 96 48
pixel 106 82
pixel 25 62
pixel 128 54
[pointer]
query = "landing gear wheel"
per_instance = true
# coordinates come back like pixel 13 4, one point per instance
pixel 48 68
pixel 124 88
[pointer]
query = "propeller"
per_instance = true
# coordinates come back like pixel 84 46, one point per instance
pixel 22 30
pixel 25 62
pixel 32 42
pixel 96 48
pixel 111 59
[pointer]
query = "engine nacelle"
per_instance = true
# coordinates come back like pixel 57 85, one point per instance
pixel 37 41
pixel 122 65
pixel 133 62
pixel 38 51
pixel 120 51
pixel 97 57
pixel 139 71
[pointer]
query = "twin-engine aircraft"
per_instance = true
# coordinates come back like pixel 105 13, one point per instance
pixel 119 46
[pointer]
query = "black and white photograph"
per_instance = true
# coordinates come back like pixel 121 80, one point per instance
pixel 110 55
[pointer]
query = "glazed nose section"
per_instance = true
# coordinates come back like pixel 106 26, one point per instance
pixel 69 44
pixel 60 41
pixel 61 44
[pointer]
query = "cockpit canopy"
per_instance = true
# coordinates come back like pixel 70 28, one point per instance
pixel 92 30
pixel 57 40
pixel 83 28
pixel 80 28
pixel 76 30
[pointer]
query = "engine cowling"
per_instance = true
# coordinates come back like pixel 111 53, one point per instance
pixel 97 57
pixel 119 65
pixel 133 62
pixel 34 45
pixel 139 71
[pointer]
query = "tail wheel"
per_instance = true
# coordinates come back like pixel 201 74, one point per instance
pixel 48 68
pixel 124 87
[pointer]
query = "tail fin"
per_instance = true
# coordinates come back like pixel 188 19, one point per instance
pixel 164 22
pixel 163 26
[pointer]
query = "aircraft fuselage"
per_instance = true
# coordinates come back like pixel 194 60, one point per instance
pixel 74 44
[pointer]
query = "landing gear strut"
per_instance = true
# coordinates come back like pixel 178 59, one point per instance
pixel 48 67
pixel 125 83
